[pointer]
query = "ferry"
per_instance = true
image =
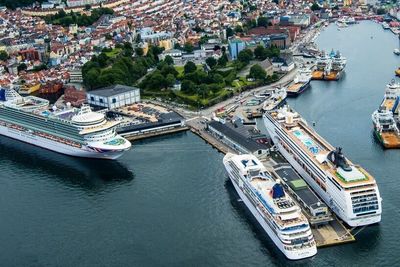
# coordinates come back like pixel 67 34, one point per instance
pixel 301 82
pixel 280 217
pixel 385 128
pixel 70 131
pixel 276 99
pixel 349 190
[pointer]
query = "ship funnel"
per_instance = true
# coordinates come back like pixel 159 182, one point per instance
pixel 289 118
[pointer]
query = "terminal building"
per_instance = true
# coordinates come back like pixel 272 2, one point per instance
pixel 236 140
pixel 316 211
pixel 113 96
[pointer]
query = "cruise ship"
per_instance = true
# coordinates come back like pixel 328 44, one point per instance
pixel 301 82
pixel 71 131
pixel 279 216
pixel 349 190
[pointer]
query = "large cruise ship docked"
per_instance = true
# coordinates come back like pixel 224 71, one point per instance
pixel 71 131
pixel 276 212
pixel 349 190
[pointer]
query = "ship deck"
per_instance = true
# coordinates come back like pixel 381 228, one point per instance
pixel 294 87
pixel 390 140
pixel 388 104
pixel 316 147
pixel 105 126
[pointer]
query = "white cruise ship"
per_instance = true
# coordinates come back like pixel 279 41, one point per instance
pixel 349 190
pixel 71 131
pixel 276 212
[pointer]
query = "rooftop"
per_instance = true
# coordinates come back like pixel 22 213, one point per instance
pixel 113 90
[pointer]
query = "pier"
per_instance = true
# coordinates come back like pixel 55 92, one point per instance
pixel 327 232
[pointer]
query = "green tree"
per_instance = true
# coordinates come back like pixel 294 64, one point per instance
pixel 315 6
pixel 257 72
pixel 188 86
pixel 22 67
pixel 223 60
pixel 169 60
pixel 139 51
pixel 188 47
pixel 229 32
pixel 177 46
pixel 3 55
pixel 211 62
pixel 190 67
pixel 238 29
pixel 170 80
pixel 260 52
pixel 245 56
pixel 90 78
pixel 262 22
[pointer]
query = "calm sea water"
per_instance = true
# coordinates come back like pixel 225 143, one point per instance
pixel 168 201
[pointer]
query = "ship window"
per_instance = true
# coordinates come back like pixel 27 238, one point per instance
pixel 92 98
pixel 101 100
pixel 114 100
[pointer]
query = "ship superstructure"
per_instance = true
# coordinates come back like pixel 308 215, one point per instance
pixel 277 213
pixel 349 190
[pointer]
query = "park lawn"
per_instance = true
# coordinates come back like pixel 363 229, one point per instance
pixel 115 52
pixel 196 98
pixel 181 69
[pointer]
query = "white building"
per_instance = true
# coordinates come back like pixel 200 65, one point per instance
pixel 114 96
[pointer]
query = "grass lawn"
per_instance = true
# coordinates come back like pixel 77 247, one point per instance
pixel 114 52
pixel 181 69
pixel 203 102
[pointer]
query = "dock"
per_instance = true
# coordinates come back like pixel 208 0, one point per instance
pixel 326 228
pixel 135 137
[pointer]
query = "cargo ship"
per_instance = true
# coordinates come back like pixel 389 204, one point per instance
pixel 301 83
pixel 349 190
pixel 71 131
pixel 277 213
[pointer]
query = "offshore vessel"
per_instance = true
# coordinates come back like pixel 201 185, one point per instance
pixel 349 190
pixel 385 128
pixel 384 119
pixel 301 82
pixel 71 131
pixel 280 217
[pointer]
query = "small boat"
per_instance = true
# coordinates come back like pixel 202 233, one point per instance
pixel 397 72
pixel 396 51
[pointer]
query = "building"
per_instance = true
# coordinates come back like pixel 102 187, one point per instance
pixel 237 141
pixel 235 46
pixel 114 96
pixel 267 66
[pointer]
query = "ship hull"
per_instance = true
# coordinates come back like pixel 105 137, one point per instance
pixel 291 255
pixel 48 144
pixel 328 195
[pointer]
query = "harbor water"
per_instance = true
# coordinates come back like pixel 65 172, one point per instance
pixel 168 201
